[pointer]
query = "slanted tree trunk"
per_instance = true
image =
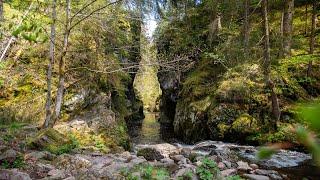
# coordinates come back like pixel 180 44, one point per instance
pixel 312 36
pixel 59 98
pixel 51 62
pixel 267 64
pixel 1 9
pixel 287 27
pixel 246 23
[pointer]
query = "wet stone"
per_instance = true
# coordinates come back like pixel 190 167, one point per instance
pixel 221 166
pixel 255 177
pixel 228 172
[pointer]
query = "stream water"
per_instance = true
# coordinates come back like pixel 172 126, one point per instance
pixel 296 165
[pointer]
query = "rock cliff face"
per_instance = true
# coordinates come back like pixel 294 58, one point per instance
pixel 190 123
pixel 170 89
pixel 95 123
pixel 233 105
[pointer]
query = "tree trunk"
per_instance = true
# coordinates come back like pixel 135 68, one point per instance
pixel 306 20
pixel 281 53
pixel 267 64
pixel 246 23
pixel 312 36
pixel 287 27
pixel 59 98
pixel 215 25
pixel 1 9
pixel 51 62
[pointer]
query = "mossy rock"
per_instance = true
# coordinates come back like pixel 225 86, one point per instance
pixel 49 139
pixel 245 124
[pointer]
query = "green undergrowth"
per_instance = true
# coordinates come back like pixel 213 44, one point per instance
pixel 207 171
pixel 17 163
pixel 12 131
pixel 58 150
pixel 147 173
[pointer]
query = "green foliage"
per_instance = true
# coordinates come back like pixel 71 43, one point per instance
pixel 64 148
pixel 148 173
pixel 208 163
pixel 311 114
pixel 17 163
pixel 188 175
pixel 208 170
pixel 12 130
pixel 264 153
pixel 100 145
pixel 310 142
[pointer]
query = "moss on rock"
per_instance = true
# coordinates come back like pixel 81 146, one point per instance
pixel 236 105
pixel 49 139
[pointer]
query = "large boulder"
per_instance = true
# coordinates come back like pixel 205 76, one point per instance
pixel 189 122
pixel 37 155
pixel 73 165
pixel 49 139
pixel 96 167
pixel 97 125
pixel 157 151
pixel 9 155
pixel 13 175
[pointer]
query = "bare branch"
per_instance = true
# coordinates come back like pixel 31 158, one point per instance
pixel 94 11
pixel 83 8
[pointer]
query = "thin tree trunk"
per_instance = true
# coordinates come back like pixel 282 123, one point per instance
pixel 267 64
pixel 51 62
pixel 215 25
pixel 306 20
pixel 59 98
pixel 281 53
pixel 312 36
pixel 1 9
pixel 287 26
pixel 246 23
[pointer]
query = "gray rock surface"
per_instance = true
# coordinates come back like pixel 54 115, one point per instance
pixel 228 172
pixel 57 174
pixel 256 177
pixel 13 174
pixel 243 166
pixel 158 151
pixel 9 155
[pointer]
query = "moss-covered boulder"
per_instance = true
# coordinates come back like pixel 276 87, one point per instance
pixel 49 139
pixel 190 123
pixel 96 127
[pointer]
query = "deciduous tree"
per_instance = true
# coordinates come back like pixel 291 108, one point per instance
pixel 51 62
pixel 287 27
pixel 312 36
pixel 267 64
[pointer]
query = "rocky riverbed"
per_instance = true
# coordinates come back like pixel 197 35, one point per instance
pixel 21 158
pixel 179 162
